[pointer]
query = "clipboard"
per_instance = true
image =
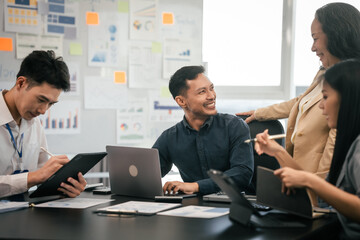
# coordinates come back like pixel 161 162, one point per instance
pixel 137 208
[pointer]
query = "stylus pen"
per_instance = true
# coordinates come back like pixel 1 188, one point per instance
pixel 50 154
pixel 277 136
pixel 125 211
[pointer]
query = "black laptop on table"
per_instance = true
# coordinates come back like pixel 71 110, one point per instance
pixel 298 203
pixel 243 212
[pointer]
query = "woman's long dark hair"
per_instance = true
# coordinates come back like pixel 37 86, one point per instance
pixel 344 77
pixel 341 24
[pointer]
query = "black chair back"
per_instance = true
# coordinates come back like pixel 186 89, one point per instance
pixel 274 127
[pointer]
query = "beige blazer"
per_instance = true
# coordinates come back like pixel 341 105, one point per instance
pixel 314 141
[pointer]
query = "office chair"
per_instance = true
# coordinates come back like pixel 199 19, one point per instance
pixel 264 160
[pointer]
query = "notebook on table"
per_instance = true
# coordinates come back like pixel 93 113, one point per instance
pixel 298 203
pixel 136 172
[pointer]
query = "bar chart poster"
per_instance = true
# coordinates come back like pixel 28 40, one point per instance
pixel 178 54
pixel 62 118
pixel 165 111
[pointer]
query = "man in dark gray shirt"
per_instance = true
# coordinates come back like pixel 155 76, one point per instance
pixel 204 139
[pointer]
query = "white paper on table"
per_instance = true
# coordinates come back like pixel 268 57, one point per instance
pixel 78 203
pixel 7 206
pixel 140 207
pixel 196 212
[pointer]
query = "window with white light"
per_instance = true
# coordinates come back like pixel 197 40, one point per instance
pixel 242 42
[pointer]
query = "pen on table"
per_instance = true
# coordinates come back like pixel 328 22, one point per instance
pixel 50 154
pixel 277 136
pixel 116 211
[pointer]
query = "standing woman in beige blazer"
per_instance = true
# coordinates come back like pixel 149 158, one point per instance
pixel 336 34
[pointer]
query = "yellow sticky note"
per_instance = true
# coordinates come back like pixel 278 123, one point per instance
pixel 156 47
pixel 123 7
pixel 6 44
pixel 167 18
pixel 120 77
pixel 92 18
pixel 76 49
pixel 165 92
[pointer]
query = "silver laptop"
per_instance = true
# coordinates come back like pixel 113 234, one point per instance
pixel 136 172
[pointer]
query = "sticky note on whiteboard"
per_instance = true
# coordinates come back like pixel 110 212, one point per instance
pixel 123 6
pixel 92 18
pixel 120 77
pixel 76 49
pixel 165 92
pixel 167 18
pixel 156 47
pixel 6 44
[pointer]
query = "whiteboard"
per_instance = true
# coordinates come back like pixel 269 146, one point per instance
pixel 98 125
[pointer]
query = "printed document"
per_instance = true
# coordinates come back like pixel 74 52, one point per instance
pixel 196 212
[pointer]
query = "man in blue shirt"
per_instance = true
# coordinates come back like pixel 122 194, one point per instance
pixel 204 139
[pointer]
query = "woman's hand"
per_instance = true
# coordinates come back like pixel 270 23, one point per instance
pixel 266 145
pixel 250 113
pixel 292 178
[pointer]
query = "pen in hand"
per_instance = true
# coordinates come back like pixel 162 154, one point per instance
pixel 277 136
pixel 50 154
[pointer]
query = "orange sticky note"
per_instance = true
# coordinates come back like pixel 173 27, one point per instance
pixel 6 44
pixel 168 18
pixel 120 77
pixel 92 18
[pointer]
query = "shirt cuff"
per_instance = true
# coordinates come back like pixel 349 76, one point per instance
pixel 19 183
pixel 206 187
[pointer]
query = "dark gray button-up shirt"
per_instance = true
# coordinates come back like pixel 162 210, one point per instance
pixel 219 144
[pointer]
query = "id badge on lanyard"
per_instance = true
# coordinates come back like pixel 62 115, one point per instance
pixel 18 150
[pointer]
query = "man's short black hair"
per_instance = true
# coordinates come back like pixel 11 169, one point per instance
pixel 177 84
pixel 42 66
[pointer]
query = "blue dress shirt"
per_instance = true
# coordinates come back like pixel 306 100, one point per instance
pixel 219 144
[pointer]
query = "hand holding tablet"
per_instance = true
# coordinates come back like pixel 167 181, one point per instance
pixel 82 162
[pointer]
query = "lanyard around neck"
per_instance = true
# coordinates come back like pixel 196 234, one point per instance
pixel 14 142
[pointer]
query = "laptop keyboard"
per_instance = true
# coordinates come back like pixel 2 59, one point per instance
pixel 252 200
pixel 174 194
pixel 177 197
pixel 260 207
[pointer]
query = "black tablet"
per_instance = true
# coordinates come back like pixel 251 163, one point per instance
pixel 82 162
